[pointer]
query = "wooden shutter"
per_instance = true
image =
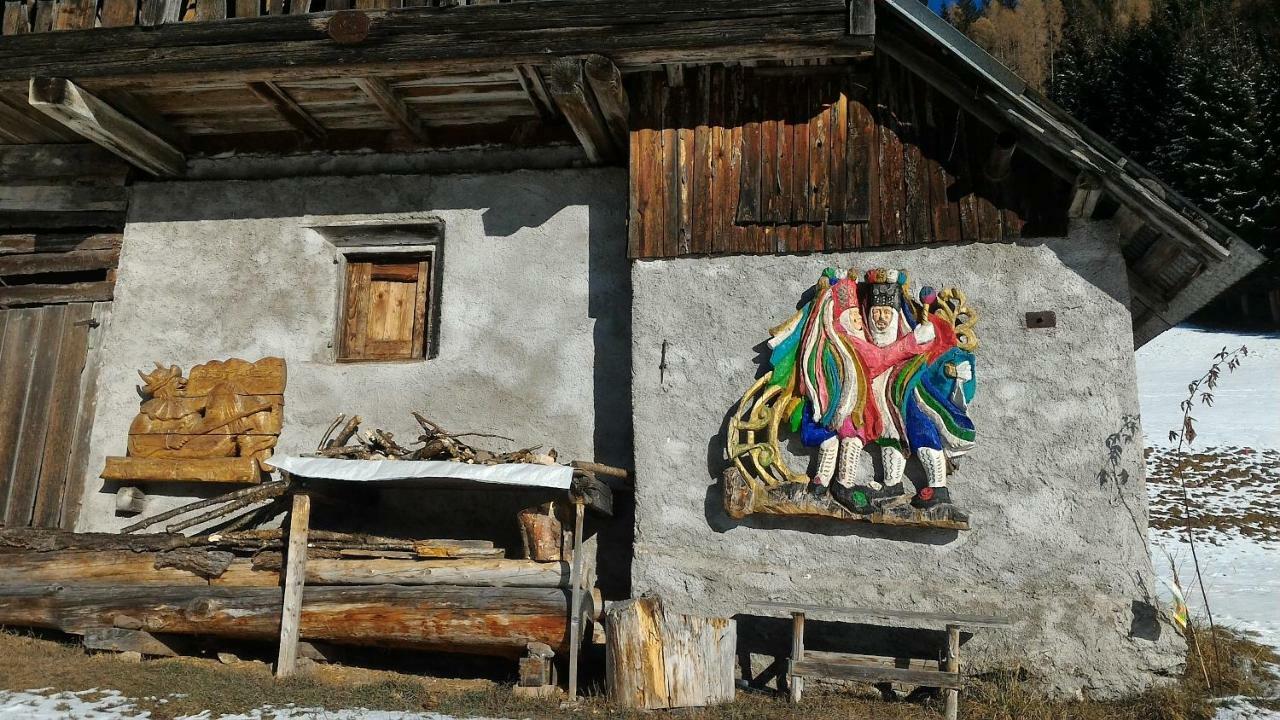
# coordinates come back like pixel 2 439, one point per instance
pixel 385 313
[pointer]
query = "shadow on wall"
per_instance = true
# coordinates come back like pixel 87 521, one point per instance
pixel 504 212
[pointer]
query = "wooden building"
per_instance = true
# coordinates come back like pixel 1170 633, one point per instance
pixel 585 213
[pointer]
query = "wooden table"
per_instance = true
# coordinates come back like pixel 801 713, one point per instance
pixel 840 666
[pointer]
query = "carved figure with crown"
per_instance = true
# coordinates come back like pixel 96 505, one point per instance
pixel 863 365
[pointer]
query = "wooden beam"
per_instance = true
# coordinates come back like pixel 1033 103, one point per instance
pixel 611 97
pixel 46 262
pixel 18 124
pixel 294 578
pixel 393 106
pixel 530 79
pixel 62 198
pixel 572 94
pixel 129 104
pixel 953 668
pixel 858 672
pixel 21 164
pixel 288 109
pixel 18 295
pixel 97 121
pixel 1085 196
pixel 444 618
pixel 862 17
pixel 446 39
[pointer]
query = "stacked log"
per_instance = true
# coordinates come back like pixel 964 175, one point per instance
pixel 437 595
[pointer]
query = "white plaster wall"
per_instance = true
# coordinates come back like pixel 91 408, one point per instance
pixel 1053 544
pixel 535 308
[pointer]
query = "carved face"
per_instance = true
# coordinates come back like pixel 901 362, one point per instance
pixel 884 321
pixel 851 321
pixel 882 317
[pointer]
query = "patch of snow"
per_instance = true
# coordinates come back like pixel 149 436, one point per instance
pixel 1231 473
pixel 96 704
pixel 1247 408
pixel 1238 708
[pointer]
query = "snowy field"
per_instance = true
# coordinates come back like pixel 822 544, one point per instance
pixel 1233 477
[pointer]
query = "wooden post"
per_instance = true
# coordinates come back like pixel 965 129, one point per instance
pixel 575 605
pixel 795 682
pixel 953 666
pixel 295 573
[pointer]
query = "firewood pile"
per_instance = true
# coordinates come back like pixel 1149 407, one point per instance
pixel 436 443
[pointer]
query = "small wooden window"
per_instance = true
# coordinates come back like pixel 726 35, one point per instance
pixel 386 313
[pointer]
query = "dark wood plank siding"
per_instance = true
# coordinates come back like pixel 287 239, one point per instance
pixel 42 358
pixel 806 159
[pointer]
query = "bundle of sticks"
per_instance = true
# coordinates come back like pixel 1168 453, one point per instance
pixel 435 443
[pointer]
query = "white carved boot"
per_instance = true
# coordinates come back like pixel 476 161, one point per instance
pixel 827 453
pixel 894 492
pixel 935 469
pixel 855 499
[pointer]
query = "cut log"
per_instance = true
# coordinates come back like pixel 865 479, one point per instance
pixel 483 621
pixel 660 659
pixel 193 565
pixel 200 562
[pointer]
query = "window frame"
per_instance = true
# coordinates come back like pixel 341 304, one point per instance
pixel 389 244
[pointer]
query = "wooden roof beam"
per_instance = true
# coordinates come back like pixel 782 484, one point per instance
pixel 531 81
pixel 98 122
pixel 469 38
pixel 394 107
pixel 574 94
pixel 288 109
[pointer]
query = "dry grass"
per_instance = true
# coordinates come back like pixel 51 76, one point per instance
pixel 191 685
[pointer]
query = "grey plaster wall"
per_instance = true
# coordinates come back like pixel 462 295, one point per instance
pixel 1059 524
pixel 534 340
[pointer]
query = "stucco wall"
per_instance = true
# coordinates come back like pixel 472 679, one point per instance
pixel 534 318
pixel 1058 537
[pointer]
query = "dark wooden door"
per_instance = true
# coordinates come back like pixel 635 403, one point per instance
pixel 46 410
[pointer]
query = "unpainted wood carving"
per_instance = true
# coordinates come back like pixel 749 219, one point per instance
pixel 230 409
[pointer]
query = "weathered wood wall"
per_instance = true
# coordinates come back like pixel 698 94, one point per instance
pixel 759 160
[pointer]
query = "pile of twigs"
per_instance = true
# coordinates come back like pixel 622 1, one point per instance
pixel 435 443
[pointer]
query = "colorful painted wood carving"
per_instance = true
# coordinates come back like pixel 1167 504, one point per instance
pixel 219 424
pixel 864 363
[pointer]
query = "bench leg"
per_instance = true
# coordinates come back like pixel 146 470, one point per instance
pixel 953 665
pixel 795 683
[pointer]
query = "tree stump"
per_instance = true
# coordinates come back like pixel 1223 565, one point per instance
pixel 660 659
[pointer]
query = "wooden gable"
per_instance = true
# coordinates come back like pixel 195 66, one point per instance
pixel 814 158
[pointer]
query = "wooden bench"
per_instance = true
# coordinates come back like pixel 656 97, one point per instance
pixel 859 668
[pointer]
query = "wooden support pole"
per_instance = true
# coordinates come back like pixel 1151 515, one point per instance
pixel 575 604
pixel 794 682
pixel 953 666
pixel 393 106
pixel 98 122
pixel 288 109
pixel 577 103
pixel 294 576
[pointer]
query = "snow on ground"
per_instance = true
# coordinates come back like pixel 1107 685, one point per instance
pixel 1232 476
pixel 40 704
pixel 1247 408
